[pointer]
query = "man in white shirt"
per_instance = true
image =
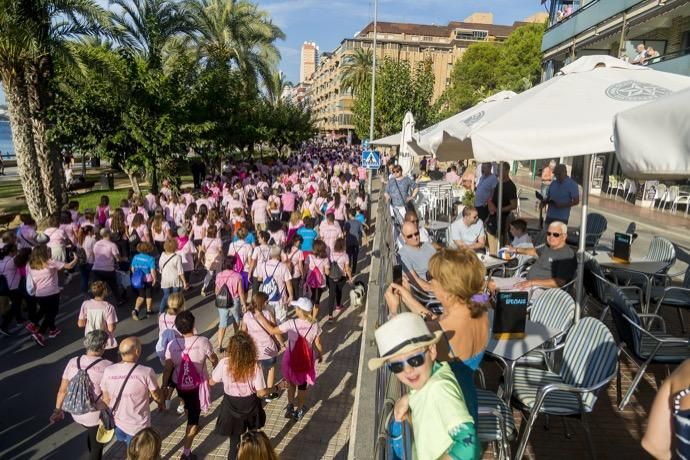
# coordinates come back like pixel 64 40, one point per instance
pixel 468 231
pixel 485 190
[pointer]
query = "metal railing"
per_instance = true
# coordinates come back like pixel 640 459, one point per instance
pixel 377 392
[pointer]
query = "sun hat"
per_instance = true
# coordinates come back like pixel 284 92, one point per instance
pixel 303 304
pixel 402 334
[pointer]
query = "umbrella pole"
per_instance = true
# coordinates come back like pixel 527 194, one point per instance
pixel 579 288
pixel 499 211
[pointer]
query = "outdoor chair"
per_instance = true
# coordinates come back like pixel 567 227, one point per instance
pixel 554 308
pixel 596 226
pixel 630 189
pixel 612 185
pixel 496 423
pixel 622 183
pixel 589 364
pixel 660 250
pixel 671 194
pixel 674 296
pixel 642 344
pixel 660 195
pixel 683 197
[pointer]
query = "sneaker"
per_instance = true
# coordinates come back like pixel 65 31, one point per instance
pixel 38 338
pixel 272 397
pixel 180 409
pixel 31 327
pixel 203 293
pixel 298 414
pixel 290 412
pixel 135 315
pixel 54 333
pixel 338 307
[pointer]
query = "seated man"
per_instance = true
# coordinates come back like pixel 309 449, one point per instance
pixel 468 231
pixel 555 265
pixel 415 255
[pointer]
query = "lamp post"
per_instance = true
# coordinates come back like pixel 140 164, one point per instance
pixel 373 93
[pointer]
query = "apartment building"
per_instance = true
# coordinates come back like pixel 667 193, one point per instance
pixel 414 43
pixel 309 60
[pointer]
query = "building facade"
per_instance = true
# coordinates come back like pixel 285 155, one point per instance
pixel 309 60
pixel 413 43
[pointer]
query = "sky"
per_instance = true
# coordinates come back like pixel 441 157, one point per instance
pixel 328 22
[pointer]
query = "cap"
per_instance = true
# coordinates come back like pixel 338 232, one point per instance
pixel 303 304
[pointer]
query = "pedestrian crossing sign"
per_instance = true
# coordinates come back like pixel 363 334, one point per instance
pixel 371 159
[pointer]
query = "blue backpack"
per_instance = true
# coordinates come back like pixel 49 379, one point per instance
pixel 138 278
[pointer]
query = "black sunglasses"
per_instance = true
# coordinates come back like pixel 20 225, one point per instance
pixel 411 235
pixel 397 367
pixel 554 234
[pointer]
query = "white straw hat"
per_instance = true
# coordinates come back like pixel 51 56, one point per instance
pixel 402 334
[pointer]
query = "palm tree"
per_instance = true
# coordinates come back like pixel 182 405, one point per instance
pixel 278 83
pixel 357 70
pixel 32 33
pixel 238 35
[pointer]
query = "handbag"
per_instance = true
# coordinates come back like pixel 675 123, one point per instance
pixel 106 423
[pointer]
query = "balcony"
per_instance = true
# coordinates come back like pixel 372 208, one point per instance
pixel 585 18
pixel 674 63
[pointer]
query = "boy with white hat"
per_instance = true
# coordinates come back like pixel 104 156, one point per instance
pixel 442 425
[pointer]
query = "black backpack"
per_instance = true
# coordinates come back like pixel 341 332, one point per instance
pixel 336 274
pixel 223 298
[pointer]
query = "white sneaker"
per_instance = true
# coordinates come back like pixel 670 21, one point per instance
pixel 180 409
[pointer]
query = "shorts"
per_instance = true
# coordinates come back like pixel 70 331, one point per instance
pixel 302 387
pixel 268 363
pixel 122 436
pixel 145 291
pixel 191 405
pixel 225 313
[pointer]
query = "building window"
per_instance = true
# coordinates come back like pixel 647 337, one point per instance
pixel 471 34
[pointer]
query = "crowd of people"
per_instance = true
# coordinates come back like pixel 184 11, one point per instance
pixel 435 348
pixel 266 240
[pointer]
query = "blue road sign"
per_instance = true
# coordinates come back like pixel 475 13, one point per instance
pixel 371 159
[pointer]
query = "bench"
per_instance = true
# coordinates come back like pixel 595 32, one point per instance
pixel 82 187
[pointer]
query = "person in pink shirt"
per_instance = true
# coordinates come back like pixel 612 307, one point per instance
pixel 233 280
pixel 277 283
pixel 106 257
pixel 86 239
pixel 186 249
pixel 274 204
pixel 140 228
pixel 26 235
pixel 160 230
pixel 9 270
pixel 339 209
pixel 198 229
pixel 97 314
pixel 70 229
pixel 150 202
pixel 194 350
pixel 288 200
pixel 211 253
pixel 318 259
pixel 57 239
pixel 135 384
pixel 336 285
pixel 260 256
pixel 103 211
pixel 452 175
pixel 329 231
pixel 243 385
pixel 95 365
pixel 44 274
pixel 276 233
pixel 305 326
pixel 267 347
pixel 259 212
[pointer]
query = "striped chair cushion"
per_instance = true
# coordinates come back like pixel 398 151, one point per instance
pixel 554 308
pixel 489 428
pixel 670 353
pixel 526 383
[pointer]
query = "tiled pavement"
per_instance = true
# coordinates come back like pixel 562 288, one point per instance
pixel 324 431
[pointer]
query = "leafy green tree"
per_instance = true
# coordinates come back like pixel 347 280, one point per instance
pixel 521 58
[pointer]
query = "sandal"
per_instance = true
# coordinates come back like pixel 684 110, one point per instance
pixel 135 315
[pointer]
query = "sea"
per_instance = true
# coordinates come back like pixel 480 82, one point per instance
pixel 6 146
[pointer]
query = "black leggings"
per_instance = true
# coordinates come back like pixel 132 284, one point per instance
pixel 95 447
pixel 353 254
pixel 191 405
pixel 336 293
pixel 15 297
pixel 316 295
pixel 48 309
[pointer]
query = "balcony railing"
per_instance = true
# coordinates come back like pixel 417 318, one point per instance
pixel 678 62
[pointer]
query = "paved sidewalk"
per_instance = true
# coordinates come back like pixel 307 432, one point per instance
pixel 324 431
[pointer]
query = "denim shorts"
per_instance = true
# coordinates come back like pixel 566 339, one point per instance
pixel 235 311
pixel 266 364
pixel 122 436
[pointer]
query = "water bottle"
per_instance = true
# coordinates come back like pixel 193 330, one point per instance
pixel 395 439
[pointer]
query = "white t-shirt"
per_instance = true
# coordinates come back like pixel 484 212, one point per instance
pixel 468 235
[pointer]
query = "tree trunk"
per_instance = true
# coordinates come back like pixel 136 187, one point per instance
pixel 38 79
pixel 134 181
pixel 22 136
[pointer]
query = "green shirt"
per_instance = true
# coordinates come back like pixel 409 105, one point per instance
pixel 436 409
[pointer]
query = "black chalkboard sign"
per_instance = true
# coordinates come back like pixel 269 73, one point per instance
pixel 621 247
pixel 510 315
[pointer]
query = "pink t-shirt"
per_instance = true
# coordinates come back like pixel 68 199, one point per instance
pixel 259 211
pixel 232 279
pixel 95 374
pixel 57 237
pixel 133 413
pixel 281 274
pixel 105 254
pixel 213 250
pixel 265 346
pixel 302 327
pixel 329 233
pixel 341 259
pixel 98 314
pixel 260 254
pixel 198 231
pixel 163 234
pixel 288 200
pixel 339 212
pixel 26 237
pixel 187 252
pixel 295 256
pixel 46 279
pixel 233 388
pixel 9 269
pixel 197 347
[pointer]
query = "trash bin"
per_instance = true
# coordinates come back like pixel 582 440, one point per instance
pixel 107 181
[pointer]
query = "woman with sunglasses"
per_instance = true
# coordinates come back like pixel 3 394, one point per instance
pixel 442 426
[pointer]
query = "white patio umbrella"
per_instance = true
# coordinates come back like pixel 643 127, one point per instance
pixel 406 135
pixel 569 115
pixel 653 140
pixel 445 139
pixel 392 140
